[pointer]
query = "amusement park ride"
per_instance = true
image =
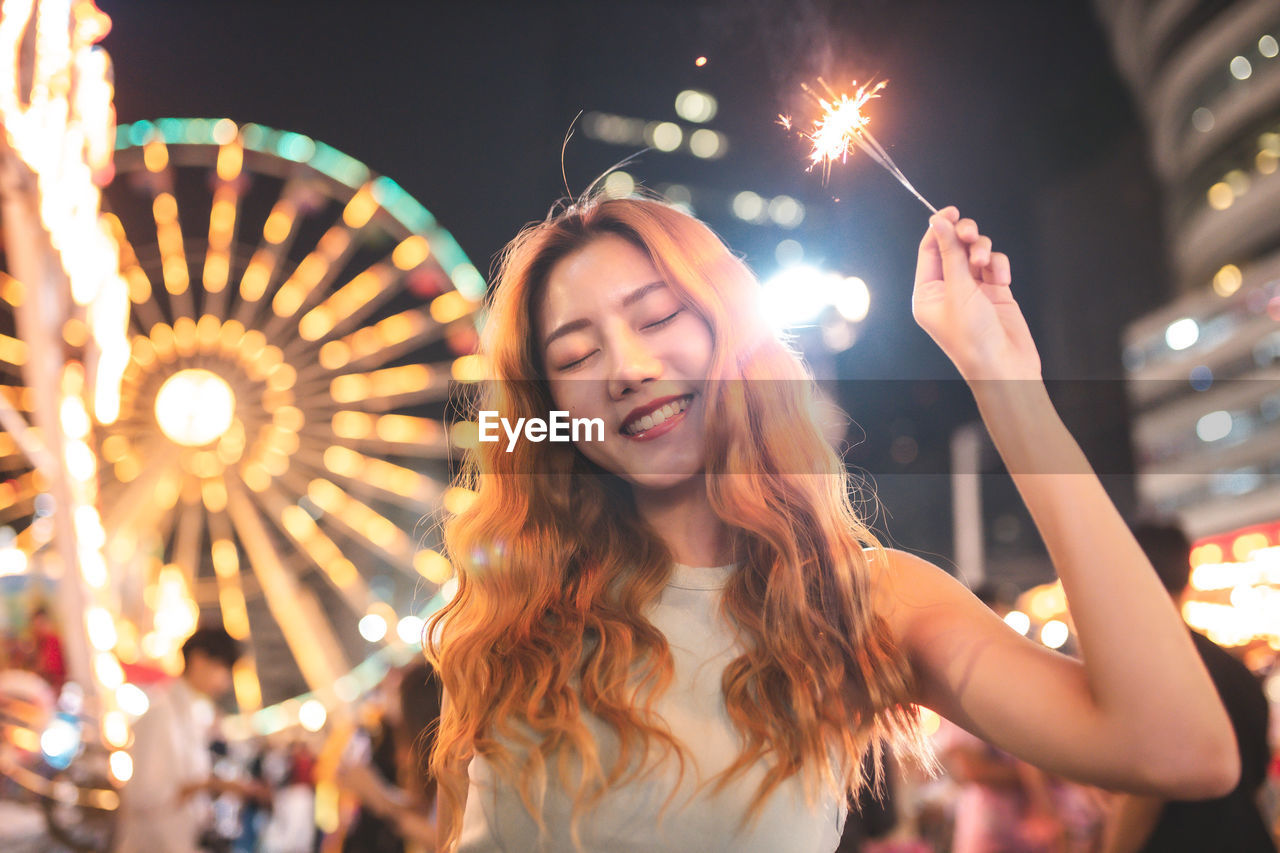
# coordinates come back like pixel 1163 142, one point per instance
pixel 227 355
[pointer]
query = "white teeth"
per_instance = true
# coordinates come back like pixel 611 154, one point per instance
pixel 655 418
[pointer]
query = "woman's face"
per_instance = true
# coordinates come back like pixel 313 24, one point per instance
pixel 619 345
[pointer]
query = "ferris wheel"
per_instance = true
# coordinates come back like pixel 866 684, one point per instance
pixel 282 447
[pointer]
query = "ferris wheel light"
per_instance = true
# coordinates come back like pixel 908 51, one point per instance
pixel 411 252
pixel 195 407
pixel 372 627
pixel 312 715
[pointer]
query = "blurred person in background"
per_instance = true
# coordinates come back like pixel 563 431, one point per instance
pixel 1230 824
pixel 292 826
pixel 1004 804
pixel 47 659
pixel 386 769
pixel 163 806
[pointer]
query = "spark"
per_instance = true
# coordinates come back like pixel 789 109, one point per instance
pixel 842 126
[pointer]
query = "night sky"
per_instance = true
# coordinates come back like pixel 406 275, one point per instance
pixel 1003 108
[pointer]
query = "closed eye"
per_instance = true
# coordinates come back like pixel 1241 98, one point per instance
pixel 658 324
pixel 576 362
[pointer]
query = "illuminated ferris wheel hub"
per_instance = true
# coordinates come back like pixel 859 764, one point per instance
pixel 195 407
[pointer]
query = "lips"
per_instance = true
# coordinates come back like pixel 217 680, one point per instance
pixel 656 418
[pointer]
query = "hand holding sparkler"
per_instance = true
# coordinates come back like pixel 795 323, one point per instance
pixel 962 299
pixel 843 126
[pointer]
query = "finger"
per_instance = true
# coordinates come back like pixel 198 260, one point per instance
pixel 951 212
pixel 929 261
pixel 979 255
pixel 955 258
pixel 967 230
pixel 997 271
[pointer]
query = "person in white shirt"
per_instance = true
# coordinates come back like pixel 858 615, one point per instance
pixel 163 806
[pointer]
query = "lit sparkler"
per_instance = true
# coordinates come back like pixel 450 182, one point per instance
pixel 842 126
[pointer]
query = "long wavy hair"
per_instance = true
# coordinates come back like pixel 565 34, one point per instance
pixel 555 567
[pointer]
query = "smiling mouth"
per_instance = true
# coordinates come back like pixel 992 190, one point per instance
pixel 658 422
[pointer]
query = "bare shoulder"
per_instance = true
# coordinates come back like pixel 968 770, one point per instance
pixel 905 587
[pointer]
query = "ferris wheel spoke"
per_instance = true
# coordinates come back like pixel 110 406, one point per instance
pixel 278 234
pixel 18 397
pixel 357 521
pixel 234 610
pixel 144 312
pixel 139 497
pixel 9 447
pixel 310 639
pixel 13 351
pixel 164 210
pixel 11 290
pixel 223 220
pixel 337 570
pixel 376 478
pixel 391 434
pixel 375 344
pixel 311 276
pixel 226 569
pixel 382 390
pixel 348 305
pixel 223 217
pixel 186 545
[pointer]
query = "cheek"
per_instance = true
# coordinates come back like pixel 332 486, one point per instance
pixel 698 349
pixel 574 396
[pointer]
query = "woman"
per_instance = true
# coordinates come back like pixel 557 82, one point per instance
pixel 681 637
pixel 387 771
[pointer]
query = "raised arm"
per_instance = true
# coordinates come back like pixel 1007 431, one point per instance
pixel 1139 712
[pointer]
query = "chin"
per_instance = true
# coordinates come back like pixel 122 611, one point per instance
pixel 654 481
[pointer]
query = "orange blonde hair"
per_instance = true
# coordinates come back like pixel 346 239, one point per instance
pixel 548 623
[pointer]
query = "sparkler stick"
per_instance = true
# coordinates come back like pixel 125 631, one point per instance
pixel 842 126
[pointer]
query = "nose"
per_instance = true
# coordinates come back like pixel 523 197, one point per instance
pixel 632 363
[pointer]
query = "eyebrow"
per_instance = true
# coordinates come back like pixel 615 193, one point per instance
pixel 630 299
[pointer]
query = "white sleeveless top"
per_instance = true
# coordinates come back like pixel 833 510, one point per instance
pixel 626 819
